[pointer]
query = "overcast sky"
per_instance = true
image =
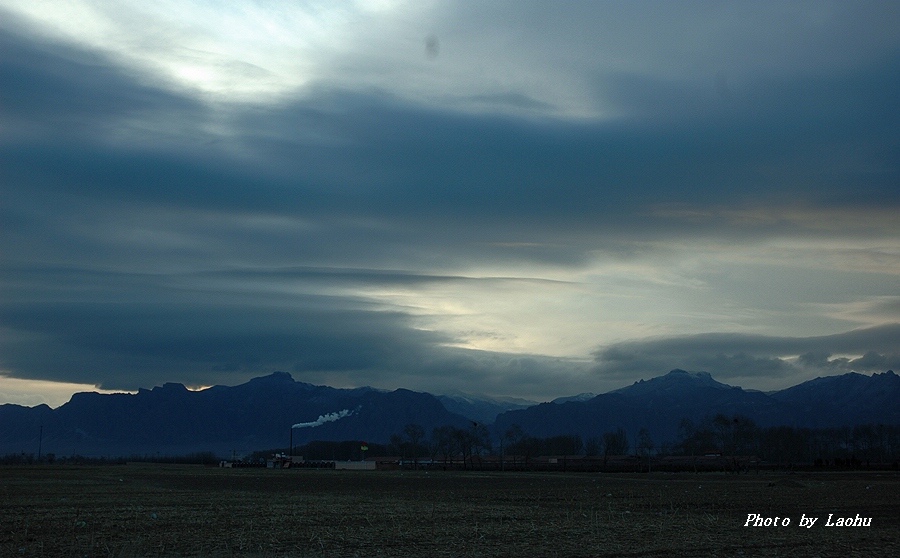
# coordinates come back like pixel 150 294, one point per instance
pixel 531 199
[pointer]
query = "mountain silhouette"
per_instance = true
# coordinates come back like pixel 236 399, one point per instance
pixel 270 411
pixel 172 420
pixel 660 404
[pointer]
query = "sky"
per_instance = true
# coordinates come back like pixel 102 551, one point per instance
pixel 523 199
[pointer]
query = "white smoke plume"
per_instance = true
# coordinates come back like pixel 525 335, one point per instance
pixel 330 417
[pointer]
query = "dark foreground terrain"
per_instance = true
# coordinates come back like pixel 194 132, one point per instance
pixel 155 510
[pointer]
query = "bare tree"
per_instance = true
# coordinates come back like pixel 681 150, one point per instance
pixel 614 443
pixel 443 439
pixel 415 436
pixel 464 442
pixel 509 438
pixel 645 445
pixel 481 439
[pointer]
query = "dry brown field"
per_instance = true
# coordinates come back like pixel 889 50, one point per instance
pixel 157 510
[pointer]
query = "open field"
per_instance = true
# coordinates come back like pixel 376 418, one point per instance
pixel 155 510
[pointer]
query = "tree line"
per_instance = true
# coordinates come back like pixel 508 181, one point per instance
pixel 786 445
pixel 195 458
pixel 783 446
pixel 721 434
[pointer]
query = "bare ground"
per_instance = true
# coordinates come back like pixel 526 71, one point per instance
pixel 153 510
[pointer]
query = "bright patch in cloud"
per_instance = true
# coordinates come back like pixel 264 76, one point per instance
pixel 428 194
pixel 30 393
pixel 231 51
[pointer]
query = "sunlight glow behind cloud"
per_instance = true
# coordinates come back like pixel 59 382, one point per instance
pixel 38 392
pixel 418 194
pixel 223 51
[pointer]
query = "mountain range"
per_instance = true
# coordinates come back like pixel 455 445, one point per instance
pixel 267 412
pixel 273 411
pixel 660 404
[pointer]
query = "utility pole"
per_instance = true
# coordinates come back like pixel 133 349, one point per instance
pixel 40 442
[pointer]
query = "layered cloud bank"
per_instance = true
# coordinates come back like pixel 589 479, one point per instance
pixel 437 196
pixel 751 357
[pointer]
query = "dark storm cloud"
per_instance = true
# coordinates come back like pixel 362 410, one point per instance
pixel 123 331
pixel 128 330
pixel 673 146
pixel 148 237
pixel 353 155
pixel 56 91
pixel 824 139
pixel 755 358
